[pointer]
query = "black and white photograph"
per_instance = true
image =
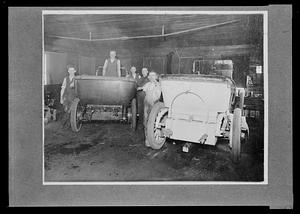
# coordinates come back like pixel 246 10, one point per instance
pixel 155 97
pixel 150 106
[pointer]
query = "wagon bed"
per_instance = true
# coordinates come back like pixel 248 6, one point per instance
pixel 111 97
pixel 101 90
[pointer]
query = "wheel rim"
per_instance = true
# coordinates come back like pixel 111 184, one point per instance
pixel 79 111
pixel 158 133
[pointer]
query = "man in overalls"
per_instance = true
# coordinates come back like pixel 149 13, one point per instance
pixel 152 90
pixel 67 94
pixel 112 66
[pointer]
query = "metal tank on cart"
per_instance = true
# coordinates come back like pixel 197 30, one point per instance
pixel 114 98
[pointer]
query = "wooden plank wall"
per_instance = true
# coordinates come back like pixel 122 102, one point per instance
pixel 154 58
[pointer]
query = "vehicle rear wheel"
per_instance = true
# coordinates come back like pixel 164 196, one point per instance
pixel 236 135
pixel 133 112
pixel 154 131
pixel 76 115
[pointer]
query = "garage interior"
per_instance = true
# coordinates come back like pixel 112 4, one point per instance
pixel 167 44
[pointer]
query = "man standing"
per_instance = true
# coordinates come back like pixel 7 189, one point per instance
pixel 144 78
pixel 141 95
pixel 112 66
pixel 152 90
pixel 67 93
pixel 133 74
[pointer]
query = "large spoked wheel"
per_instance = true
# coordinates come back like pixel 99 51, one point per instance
pixel 76 115
pixel 236 135
pixel 155 124
pixel 133 113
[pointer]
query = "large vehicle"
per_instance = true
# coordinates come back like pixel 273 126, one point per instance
pixel 198 109
pixel 113 98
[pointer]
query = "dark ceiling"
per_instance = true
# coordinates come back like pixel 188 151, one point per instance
pixel 75 31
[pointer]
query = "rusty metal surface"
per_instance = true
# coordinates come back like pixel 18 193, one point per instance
pixel 99 90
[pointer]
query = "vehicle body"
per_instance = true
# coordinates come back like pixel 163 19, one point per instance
pixel 198 109
pixel 111 97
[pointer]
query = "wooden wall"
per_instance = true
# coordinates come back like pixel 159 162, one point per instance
pixel 160 59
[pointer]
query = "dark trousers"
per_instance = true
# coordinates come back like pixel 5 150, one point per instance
pixel 65 121
pixel 69 97
pixel 140 106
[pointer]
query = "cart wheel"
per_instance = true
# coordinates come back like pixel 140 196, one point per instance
pixel 154 131
pixel 75 119
pixel 133 114
pixel 236 135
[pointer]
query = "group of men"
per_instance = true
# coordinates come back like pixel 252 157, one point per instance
pixel 148 91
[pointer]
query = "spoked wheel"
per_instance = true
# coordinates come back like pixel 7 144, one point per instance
pixel 133 113
pixel 236 135
pixel 76 115
pixel 156 119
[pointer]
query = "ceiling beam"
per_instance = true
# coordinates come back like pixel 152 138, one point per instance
pixel 150 36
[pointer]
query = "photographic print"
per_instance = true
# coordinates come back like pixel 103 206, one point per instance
pixel 154 97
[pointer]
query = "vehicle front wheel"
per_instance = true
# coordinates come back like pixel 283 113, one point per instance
pixel 76 115
pixel 155 124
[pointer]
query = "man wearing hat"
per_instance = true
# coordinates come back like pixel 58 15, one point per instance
pixel 67 93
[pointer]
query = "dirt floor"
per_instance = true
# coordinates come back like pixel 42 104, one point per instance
pixel 111 151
